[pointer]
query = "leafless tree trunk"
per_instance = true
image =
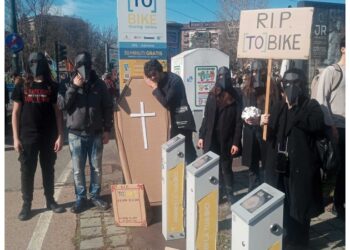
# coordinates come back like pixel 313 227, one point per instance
pixel 38 9
pixel 230 13
pixel 40 25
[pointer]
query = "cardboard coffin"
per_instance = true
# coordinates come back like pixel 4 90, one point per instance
pixel 141 126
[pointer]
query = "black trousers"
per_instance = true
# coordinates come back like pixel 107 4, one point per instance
pixel 339 191
pixel 297 231
pixel 253 137
pixel 190 151
pixel 226 175
pixel 29 159
pixel 225 169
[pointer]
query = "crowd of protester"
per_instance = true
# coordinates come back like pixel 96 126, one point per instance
pixel 233 123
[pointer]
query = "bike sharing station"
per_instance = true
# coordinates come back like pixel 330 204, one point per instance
pixel 257 220
pixel 202 194
pixel 173 183
pixel 142 128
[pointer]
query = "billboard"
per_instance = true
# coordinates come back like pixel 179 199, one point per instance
pixel 328 28
pixel 275 33
pixel 141 21
pixel 141 35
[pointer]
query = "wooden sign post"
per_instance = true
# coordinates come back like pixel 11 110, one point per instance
pixel 275 34
pixel 267 95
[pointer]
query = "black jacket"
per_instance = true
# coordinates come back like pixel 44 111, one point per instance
pixel 228 120
pixel 172 95
pixel 304 182
pixel 252 134
pixel 89 108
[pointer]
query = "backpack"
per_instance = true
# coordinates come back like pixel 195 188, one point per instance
pixel 328 155
pixel 314 83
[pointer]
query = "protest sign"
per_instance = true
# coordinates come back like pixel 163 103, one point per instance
pixel 275 33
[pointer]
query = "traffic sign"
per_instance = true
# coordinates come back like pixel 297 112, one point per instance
pixel 14 42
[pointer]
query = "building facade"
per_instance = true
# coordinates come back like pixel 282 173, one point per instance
pixel 201 35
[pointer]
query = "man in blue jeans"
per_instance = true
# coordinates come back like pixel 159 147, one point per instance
pixel 89 120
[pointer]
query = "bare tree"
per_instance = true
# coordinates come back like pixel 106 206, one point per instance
pixel 101 37
pixel 38 10
pixel 39 29
pixel 230 11
pixel 108 34
pixel 7 15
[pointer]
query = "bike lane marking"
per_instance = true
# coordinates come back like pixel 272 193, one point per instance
pixel 44 220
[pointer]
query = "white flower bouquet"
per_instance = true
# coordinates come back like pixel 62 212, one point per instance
pixel 251 112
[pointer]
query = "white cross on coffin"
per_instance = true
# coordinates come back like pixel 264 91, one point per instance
pixel 142 115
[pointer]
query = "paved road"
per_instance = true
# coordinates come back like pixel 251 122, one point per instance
pixel 97 230
pixel 23 235
pixel 12 169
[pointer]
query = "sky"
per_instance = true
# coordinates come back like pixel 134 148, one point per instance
pixel 182 11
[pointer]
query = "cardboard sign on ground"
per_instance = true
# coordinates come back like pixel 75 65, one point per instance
pixel 130 205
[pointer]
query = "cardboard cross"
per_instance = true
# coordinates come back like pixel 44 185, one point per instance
pixel 142 115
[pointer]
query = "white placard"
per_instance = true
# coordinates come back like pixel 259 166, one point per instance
pixel 275 33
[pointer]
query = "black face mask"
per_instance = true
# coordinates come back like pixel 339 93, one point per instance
pixel 223 79
pixel 37 64
pixel 256 68
pixel 83 65
pixel 291 85
pixel 256 80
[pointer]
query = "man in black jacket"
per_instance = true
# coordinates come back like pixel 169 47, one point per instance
pixel 89 120
pixel 169 90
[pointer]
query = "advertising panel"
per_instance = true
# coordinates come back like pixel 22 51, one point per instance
pixel 205 77
pixel 328 28
pixel 141 35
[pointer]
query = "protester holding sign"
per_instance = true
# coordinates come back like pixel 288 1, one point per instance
pixel 292 163
pixel 253 95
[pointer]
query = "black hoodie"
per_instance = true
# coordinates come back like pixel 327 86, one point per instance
pixel 89 108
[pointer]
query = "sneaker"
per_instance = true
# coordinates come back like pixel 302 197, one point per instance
pixel 100 204
pixel 52 205
pixel 79 206
pixel 25 212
